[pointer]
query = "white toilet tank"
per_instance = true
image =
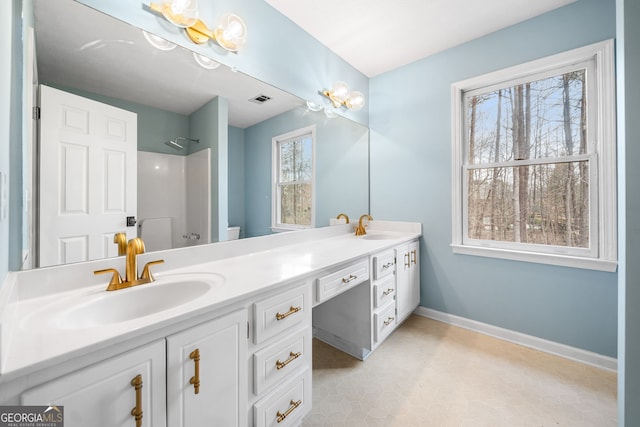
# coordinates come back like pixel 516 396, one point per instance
pixel 233 233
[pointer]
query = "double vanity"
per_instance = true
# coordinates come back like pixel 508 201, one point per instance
pixel 221 337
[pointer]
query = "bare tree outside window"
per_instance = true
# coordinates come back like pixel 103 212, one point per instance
pixel 527 169
pixel 293 178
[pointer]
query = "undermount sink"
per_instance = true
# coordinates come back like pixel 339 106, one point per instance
pixel 107 308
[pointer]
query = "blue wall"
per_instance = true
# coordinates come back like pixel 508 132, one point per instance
pixel 236 178
pixel 628 68
pixel 411 145
pixel 341 163
pixel 209 125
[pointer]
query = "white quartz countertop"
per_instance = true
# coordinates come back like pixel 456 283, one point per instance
pixel 41 311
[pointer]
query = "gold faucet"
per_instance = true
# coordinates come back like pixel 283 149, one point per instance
pixel 343 215
pixel 120 239
pixel 134 248
pixel 360 229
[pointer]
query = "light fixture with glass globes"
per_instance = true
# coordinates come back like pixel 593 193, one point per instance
pixel 230 34
pixel 340 96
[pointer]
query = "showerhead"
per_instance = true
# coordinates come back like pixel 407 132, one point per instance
pixel 176 145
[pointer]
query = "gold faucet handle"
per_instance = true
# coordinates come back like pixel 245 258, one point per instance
pixel 146 272
pixel 115 281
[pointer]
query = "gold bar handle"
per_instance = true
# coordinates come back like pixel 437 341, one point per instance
pixel 414 257
pixel 387 265
pixel 387 292
pixel 195 380
pixel 407 260
pixel 294 404
pixel 291 311
pixel 136 412
pixel 389 321
pixel 348 279
pixel 292 356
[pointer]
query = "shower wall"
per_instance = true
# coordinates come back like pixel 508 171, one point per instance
pixel 177 187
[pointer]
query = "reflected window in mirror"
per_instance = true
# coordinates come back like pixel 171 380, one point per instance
pixel 293 181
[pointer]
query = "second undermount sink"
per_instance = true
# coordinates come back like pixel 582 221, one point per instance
pixel 107 308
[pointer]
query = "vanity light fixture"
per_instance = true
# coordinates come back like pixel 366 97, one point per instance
pixel 205 61
pixel 158 42
pixel 230 34
pixel 340 96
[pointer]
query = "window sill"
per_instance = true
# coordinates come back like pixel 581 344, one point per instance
pixel 551 259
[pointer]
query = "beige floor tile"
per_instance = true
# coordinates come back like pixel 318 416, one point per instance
pixel 431 374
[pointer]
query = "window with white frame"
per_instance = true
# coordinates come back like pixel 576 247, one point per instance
pixel 293 187
pixel 534 161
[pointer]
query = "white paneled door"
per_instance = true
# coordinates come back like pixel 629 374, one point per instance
pixel 88 182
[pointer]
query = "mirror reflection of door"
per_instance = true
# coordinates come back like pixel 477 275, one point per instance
pixel 88 181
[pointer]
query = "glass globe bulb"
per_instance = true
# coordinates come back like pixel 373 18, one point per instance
pixel 355 101
pixel 205 61
pixel 182 13
pixel 158 42
pixel 231 33
pixel 340 91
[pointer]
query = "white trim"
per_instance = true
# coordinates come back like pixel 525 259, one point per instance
pixel 604 244
pixel 275 164
pixel 562 350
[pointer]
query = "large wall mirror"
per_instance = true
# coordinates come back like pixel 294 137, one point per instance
pixel 202 140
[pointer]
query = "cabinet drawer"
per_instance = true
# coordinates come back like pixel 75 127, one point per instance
pixel 276 362
pixel 275 314
pixel 286 405
pixel 384 291
pixel 341 280
pixel 383 264
pixel 385 322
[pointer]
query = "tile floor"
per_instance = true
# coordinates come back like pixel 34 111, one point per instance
pixel 429 373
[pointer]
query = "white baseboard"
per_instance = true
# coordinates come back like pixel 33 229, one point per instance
pixel 536 343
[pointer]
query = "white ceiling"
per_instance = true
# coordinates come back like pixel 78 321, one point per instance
pixel 376 36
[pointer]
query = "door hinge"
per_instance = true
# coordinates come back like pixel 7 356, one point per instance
pixel 36 113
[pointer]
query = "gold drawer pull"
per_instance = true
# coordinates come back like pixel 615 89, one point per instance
pixel 387 265
pixel 293 406
pixel 195 380
pixel 136 412
pixel 348 279
pixel 388 321
pixel 414 256
pixel 291 311
pixel 292 356
pixel 407 260
pixel 387 292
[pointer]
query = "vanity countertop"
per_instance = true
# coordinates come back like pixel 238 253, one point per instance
pixel 30 301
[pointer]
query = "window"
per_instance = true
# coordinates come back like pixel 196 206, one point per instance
pixel 533 153
pixel 293 186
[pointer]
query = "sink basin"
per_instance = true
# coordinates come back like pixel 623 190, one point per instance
pixel 107 308
pixel 378 236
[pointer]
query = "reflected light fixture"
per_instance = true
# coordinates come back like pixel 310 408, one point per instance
pixel 205 61
pixel 158 42
pixel 340 96
pixel 230 34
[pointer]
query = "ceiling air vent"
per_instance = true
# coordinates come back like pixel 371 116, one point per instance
pixel 260 99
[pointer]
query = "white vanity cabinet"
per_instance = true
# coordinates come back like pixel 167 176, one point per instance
pixel 112 392
pixel 206 380
pixel 407 279
pixel 280 360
